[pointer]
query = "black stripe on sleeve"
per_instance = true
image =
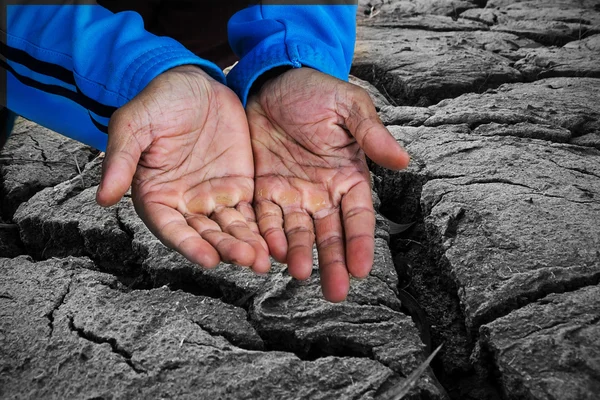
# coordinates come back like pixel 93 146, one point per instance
pixel 101 127
pixel 88 103
pixel 41 67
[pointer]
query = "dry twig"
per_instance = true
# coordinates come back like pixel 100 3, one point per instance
pixel 399 391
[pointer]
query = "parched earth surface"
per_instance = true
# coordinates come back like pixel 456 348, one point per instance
pixel 498 104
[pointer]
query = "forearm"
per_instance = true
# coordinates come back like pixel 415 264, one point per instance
pixel 69 67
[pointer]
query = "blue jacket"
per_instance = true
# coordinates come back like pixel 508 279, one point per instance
pixel 70 67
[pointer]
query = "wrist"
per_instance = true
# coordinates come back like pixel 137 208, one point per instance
pixel 188 68
pixel 265 77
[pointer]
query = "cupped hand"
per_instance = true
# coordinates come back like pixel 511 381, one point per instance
pixel 184 147
pixel 310 133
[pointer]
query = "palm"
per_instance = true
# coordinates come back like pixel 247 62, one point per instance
pixel 193 183
pixel 312 180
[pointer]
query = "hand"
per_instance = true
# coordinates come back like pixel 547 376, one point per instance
pixel 184 147
pixel 309 131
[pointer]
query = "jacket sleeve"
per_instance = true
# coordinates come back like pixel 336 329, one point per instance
pixel 69 67
pixel 269 36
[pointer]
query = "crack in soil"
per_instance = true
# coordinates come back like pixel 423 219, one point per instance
pixel 521 300
pixel 92 337
pixel 427 28
pixel 574 169
pixel 57 304
pixel 205 345
pixel 430 281
pixel 39 147
pixel 284 340
pixel 397 92
pixel 563 198
pixel 488 353
pixel 426 276
pixel 231 339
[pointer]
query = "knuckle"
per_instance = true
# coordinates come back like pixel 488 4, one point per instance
pixel 269 215
pixel 237 225
pixel 272 230
pixel 298 230
pixel 359 211
pixel 331 241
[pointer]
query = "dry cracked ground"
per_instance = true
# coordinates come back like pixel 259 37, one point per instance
pixel 498 103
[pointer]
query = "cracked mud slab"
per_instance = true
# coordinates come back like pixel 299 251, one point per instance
pixel 420 67
pixel 35 158
pixel 575 60
pixel 400 9
pixel 520 226
pixel 71 332
pixel 558 109
pixel 553 22
pixel 549 349
pixel 418 53
pixel 65 220
pixel 515 217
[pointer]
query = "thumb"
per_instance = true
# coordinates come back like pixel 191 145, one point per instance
pixel 364 124
pixel 123 152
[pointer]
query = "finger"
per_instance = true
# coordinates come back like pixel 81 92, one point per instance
pixel 171 228
pixel 332 258
pixel 299 229
pixel 248 212
pixel 123 152
pixel 270 224
pixel 364 124
pixel 234 223
pixel 359 228
pixel 230 249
